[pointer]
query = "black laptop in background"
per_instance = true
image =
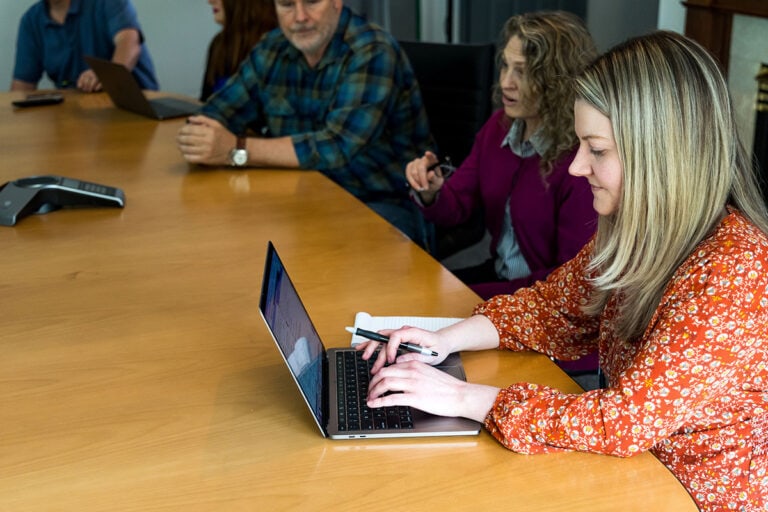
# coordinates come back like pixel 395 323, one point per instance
pixel 126 93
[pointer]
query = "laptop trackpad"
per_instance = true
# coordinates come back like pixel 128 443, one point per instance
pixel 452 366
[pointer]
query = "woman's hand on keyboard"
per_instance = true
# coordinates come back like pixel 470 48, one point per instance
pixel 411 335
pixel 419 385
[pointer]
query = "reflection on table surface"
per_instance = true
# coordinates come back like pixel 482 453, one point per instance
pixel 137 374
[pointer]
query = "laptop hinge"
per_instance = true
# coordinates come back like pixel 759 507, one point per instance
pixel 325 398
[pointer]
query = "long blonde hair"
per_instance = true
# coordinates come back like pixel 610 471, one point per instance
pixel 682 163
pixel 557 46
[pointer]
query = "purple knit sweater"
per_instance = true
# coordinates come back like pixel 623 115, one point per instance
pixel 552 220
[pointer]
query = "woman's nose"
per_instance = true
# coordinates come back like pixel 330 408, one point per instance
pixel 579 166
pixel 508 80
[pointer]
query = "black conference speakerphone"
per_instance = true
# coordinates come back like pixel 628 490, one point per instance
pixel 43 194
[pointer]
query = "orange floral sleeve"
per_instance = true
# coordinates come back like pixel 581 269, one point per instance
pixel 546 317
pixel 693 389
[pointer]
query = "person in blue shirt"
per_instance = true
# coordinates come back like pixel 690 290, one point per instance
pixel 55 34
pixel 328 91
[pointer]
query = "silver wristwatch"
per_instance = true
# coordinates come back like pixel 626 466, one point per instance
pixel 238 157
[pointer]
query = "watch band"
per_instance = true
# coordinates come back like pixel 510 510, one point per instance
pixel 238 157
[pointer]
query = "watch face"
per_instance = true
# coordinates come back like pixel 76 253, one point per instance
pixel 239 157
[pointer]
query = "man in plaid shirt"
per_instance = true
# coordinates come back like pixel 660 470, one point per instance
pixel 325 91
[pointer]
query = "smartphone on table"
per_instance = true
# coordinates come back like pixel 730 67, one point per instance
pixel 39 98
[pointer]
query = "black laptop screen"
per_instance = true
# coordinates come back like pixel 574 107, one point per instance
pixel 293 331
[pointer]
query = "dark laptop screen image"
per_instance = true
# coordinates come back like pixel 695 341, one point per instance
pixel 295 335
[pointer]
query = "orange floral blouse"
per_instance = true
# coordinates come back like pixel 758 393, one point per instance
pixel 693 390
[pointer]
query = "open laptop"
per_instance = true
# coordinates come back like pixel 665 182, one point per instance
pixel 126 93
pixel 319 372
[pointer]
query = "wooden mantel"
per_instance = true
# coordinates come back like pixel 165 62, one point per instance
pixel 709 22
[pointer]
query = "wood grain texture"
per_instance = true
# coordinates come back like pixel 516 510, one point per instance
pixel 137 375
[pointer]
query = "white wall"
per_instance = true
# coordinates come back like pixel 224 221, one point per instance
pixel 610 21
pixel 671 16
pixel 433 20
pixel 10 13
pixel 177 33
pixel 748 49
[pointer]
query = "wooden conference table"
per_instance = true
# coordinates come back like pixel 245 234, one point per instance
pixel 137 374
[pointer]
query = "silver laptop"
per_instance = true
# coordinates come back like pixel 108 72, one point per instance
pixel 126 92
pixel 320 373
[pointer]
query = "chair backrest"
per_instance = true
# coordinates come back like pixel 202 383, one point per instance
pixel 456 82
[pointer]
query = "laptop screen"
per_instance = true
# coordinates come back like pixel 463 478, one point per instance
pixel 293 331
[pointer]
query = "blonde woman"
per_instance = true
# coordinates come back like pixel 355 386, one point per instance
pixel 672 291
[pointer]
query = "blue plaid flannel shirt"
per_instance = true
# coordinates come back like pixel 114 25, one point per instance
pixel 357 116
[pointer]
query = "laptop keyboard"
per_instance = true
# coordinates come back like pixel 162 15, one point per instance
pixel 353 374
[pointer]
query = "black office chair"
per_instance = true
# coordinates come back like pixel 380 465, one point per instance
pixel 456 83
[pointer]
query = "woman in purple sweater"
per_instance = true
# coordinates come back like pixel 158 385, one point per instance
pixel 538 215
